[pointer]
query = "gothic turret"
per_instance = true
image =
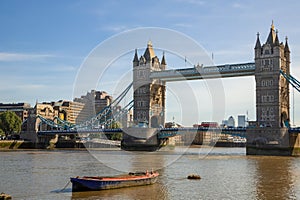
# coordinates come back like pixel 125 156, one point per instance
pixel 257 47
pixel 163 62
pixel 286 46
pixel 276 42
pixel 287 53
pixel 135 59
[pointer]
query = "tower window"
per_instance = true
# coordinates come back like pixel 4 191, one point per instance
pixel 267 51
pixel 267 61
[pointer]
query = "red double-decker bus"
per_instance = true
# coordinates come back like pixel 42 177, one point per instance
pixel 207 124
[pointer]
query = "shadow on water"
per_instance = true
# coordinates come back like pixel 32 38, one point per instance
pixel 65 190
pixel 155 191
pixel 274 178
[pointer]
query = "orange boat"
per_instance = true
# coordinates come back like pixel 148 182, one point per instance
pixel 94 183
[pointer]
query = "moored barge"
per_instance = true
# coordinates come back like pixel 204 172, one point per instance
pixel 94 183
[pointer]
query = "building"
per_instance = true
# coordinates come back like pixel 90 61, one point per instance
pixel 270 135
pixel 149 95
pixel 230 122
pixel 21 109
pixel 272 90
pixel 69 110
pixel 241 121
pixel 224 123
pixel 94 102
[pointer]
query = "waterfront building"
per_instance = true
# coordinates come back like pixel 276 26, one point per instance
pixel 94 102
pixel 69 110
pixel 224 123
pixel 21 109
pixel 241 121
pixel 231 122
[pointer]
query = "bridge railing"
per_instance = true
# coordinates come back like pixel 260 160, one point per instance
pixel 171 132
pixel 199 72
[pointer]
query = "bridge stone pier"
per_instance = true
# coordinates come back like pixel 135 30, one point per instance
pixel 141 139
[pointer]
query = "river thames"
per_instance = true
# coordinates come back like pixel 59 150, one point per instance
pixel 226 173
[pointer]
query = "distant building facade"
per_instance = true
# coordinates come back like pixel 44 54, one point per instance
pixel 231 122
pixel 241 121
pixel 69 110
pixel 94 102
pixel 224 123
pixel 21 109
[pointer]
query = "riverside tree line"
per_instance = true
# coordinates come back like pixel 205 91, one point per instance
pixel 10 123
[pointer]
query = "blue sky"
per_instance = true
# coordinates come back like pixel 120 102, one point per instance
pixel 44 43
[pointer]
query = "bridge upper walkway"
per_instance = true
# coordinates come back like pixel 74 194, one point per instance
pixel 208 72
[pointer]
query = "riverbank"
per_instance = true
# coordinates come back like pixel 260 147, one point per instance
pixel 21 144
pixel 16 144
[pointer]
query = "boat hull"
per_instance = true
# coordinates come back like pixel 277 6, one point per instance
pixel 95 184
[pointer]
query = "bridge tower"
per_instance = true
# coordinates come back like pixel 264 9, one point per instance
pixel 149 95
pixel 270 135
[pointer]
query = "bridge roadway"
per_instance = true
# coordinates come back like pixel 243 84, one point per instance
pixel 207 72
pixel 163 132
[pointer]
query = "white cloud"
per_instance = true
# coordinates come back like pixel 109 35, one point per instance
pixel 183 25
pixel 193 2
pixel 115 28
pixel 5 56
pixel 63 68
pixel 237 5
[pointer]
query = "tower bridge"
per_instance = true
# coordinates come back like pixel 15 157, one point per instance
pixel 270 134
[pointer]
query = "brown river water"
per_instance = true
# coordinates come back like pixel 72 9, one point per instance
pixel 226 173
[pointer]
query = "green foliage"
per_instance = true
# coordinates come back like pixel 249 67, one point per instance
pixel 116 136
pixel 10 123
pixel 1 132
pixel 115 124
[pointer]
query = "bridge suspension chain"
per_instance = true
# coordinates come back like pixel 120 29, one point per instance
pixel 100 118
pixel 105 117
pixel 292 80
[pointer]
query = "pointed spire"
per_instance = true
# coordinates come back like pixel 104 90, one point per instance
pixel 136 58
pixel 272 35
pixel 286 46
pixel 276 42
pixel 272 25
pixel 257 45
pixel 149 52
pixel 163 60
pixel 149 44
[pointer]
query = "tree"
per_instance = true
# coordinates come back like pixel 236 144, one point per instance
pixel 10 123
pixel 1 132
pixel 115 136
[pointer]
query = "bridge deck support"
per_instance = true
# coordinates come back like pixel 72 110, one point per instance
pixel 272 141
pixel 140 139
pixel 295 143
